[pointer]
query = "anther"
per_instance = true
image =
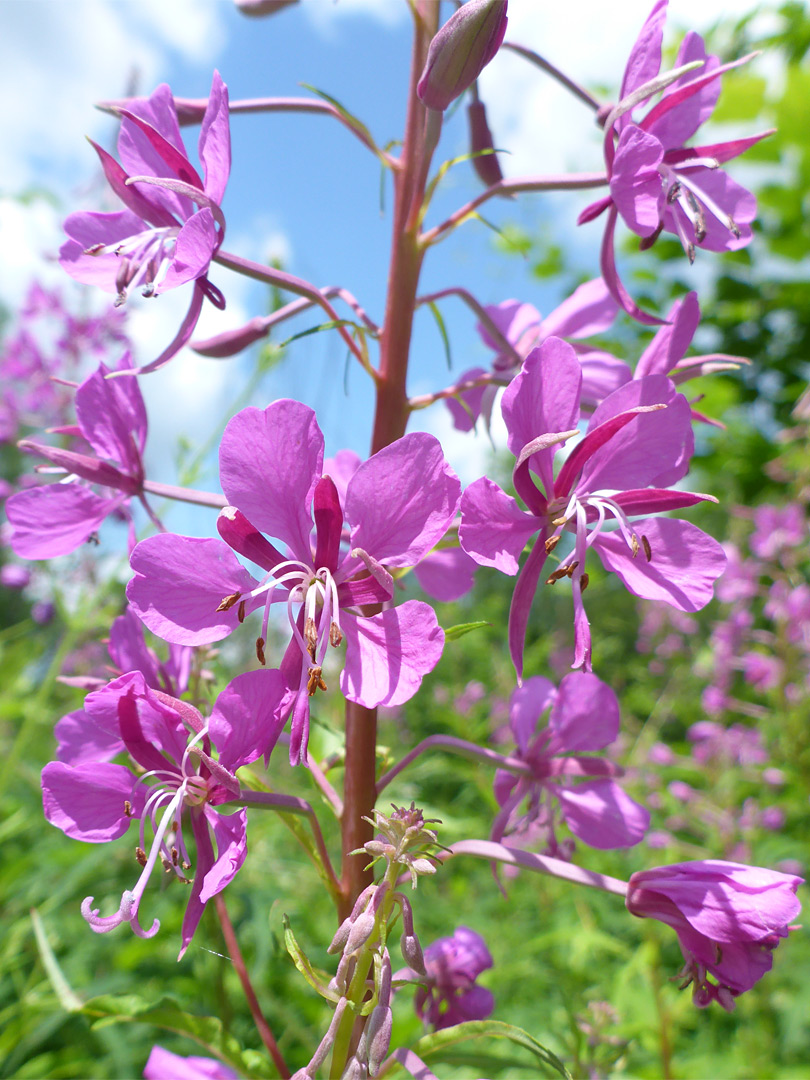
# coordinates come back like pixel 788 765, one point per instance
pixel 260 650
pixel 227 602
pixel 127 808
pixel 551 543
pixel 583 582
pixel 647 549
pixel 559 521
pixel 167 866
pixel 569 570
pixel 561 572
pixel 634 544
pixel 310 634
pixel 315 681
pixel 718 954
pixel 140 855
pixel 241 612
pixel 175 856
pixel 335 636
pixel 94 249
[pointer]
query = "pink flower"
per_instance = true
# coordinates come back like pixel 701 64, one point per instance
pixel 452 965
pixel 398 505
pixel 164 1065
pixel 657 183
pixel 55 519
pixel 584 716
pixel 589 310
pixel 160 241
pixel 177 781
pixel 638 444
pixel 728 917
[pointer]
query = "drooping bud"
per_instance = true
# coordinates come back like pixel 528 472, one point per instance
pixel 461 50
pixel 378 1037
pixel 486 165
pixel 263 7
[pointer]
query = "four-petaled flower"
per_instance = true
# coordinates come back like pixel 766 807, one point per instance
pixel 178 780
pixel 657 183
pixel 398 505
pixel 638 443
pixel 160 241
pixel 728 917
pixel 451 995
pixel 584 717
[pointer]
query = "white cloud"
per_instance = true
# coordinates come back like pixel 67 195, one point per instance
pixel 326 15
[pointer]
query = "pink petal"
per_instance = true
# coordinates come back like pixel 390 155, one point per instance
pixel 465 408
pixel 248 717
pixel 601 814
pixel 519 323
pixel 589 310
pixel 585 715
pixel 179 583
pixel 644 61
pixel 270 461
pixel 215 140
pixel 602 373
pixel 673 339
pixel 112 416
pixel 230 833
pixel 681 123
pixel 87 801
pixel 684 566
pixel 543 398
pixel 494 530
pixel 635 183
pixel 402 500
pixel 446 574
pixel 388 654
pixel 196 243
pixel 129 651
pixel 80 740
pixel 55 519
pixel 526 706
pixel 522 597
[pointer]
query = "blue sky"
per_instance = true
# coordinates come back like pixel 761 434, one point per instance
pixel 301 188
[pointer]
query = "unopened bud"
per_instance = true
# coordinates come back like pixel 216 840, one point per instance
pixel 412 953
pixel 263 7
pixel 341 937
pixel 461 50
pixel 378 1037
pixel 486 165
pixel 361 931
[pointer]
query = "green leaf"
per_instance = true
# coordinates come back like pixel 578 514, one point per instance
pixel 69 1000
pixel 318 980
pixel 437 315
pixel 350 119
pixel 333 324
pixel 460 629
pixel 438 1041
pixel 207 1031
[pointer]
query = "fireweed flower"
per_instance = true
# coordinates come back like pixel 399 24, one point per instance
pixel 79 737
pixel 728 917
pixel 56 518
pixel 584 716
pixel 657 183
pixel 452 965
pixel 589 310
pixel 160 241
pixel 638 443
pixel 398 505
pixel 178 784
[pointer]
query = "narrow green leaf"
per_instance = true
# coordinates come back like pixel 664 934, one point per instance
pixel 69 1001
pixel 460 629
pixel 352 120
pixel 437 315
pixel 437 1041
pixel 318 980
pixel 333 324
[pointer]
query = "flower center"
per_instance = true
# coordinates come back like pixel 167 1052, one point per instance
pixel 145 258
pixel 574 513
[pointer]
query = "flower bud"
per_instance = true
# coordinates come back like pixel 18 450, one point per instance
pixel 378 1037
pixel 263 7
pixel 461 50
pixel 486 165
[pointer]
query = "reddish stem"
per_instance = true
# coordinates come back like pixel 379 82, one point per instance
pixel 238 961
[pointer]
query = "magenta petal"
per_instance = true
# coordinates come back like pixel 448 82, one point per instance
pixel 522 597
pixel 585 715
pixel 671 342
pixel 601 814
pixel 112 417
pixel 679 124
pixel 342 468
pixel 735 203
pixel 388 654
pixel 230 833
pixel 80 740
pixel 446 574
pixel 655 448
pixel 248 717
pixel 215 140
pixel 196 243
pixel 544 397
pixel 205 860
pixel 519 323
pixel 602 373
pixel 493 529
pixel 465 407
pixel 129 651
pixel 635 183
pixel 183 334
pixel 589 310
pixel 270 461
pixel 644 61
pixel 684 566
pixel 163 1065
pixel 607 262
pixel 656 501
pixel 526 705
pixel 87 802
pixel 401 501
pixel 179 583
pixel 55 519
